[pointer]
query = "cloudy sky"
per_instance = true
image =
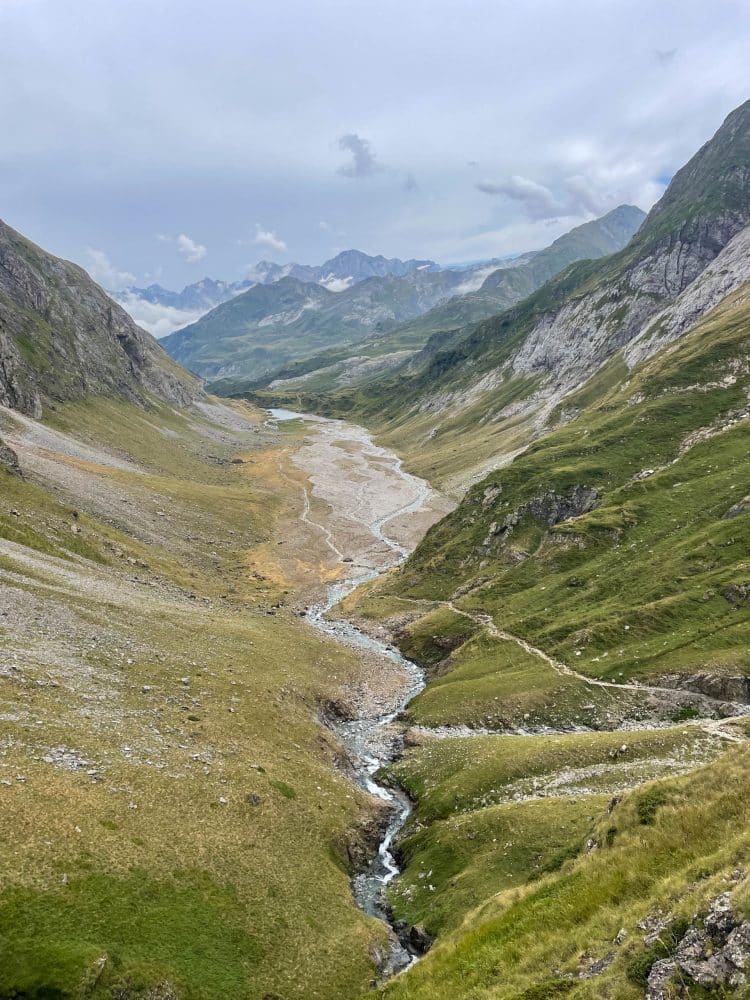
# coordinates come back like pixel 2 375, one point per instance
pixel 161 140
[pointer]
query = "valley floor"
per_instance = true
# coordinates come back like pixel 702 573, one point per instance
pixel 179 820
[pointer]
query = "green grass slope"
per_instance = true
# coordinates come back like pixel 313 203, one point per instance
pixel 655 858
pixel 173 822
pixel 499 811
pixel 653 580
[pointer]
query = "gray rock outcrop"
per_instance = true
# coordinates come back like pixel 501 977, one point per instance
pixel 62 338
pixel 9 459
pixel 713 954
pixel 549 508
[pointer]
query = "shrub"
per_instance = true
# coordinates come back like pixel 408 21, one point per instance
pixel 648 804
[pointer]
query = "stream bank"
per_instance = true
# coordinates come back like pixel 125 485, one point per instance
pixel 375 513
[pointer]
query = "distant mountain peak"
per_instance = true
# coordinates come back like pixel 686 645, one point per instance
pixel 341 271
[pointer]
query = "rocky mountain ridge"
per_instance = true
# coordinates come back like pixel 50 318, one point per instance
pixel 201 295
pixel 62 337
pixel 347 268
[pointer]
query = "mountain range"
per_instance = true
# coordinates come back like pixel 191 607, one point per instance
pixel 511 373
pixel 340 272
pixel 488 291
pixel 265 328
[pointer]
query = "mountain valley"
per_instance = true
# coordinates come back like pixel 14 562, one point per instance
pixel 410 656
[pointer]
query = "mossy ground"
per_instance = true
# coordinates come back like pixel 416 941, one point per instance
pixel 498 811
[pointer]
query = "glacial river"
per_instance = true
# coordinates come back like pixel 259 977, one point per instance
pixel 384 514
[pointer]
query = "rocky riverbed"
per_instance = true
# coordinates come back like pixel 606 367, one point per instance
pixel 370 514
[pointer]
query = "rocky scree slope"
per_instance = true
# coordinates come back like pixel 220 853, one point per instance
pixel 62 338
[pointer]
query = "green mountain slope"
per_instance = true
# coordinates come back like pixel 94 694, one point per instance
pixel 614 553
pixel 173 823
pixel 641 899
pixel 597 580
pixel 264 328
pixel 631 521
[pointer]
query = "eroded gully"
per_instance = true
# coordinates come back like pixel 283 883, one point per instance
pixel 391 509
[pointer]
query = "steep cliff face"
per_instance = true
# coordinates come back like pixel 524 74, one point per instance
pixel 62 338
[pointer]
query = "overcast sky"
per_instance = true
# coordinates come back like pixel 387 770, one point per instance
pixel 161 140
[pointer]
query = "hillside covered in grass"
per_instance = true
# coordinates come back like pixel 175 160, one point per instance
pixel 575 592
pixel 576 760
pixel 629 523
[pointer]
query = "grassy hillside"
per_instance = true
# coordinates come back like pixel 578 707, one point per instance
pixel 498 811
pixel 650 581
pixel 600 574
pixel 651 861
pixel 173 823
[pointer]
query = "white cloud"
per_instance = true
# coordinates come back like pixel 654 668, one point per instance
pixel 537 200
pixel 582 196
pixel 336 284
pixel 268 239
pixel 104 272
pixel 475 279
pixel 189 249
pixel 158 319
